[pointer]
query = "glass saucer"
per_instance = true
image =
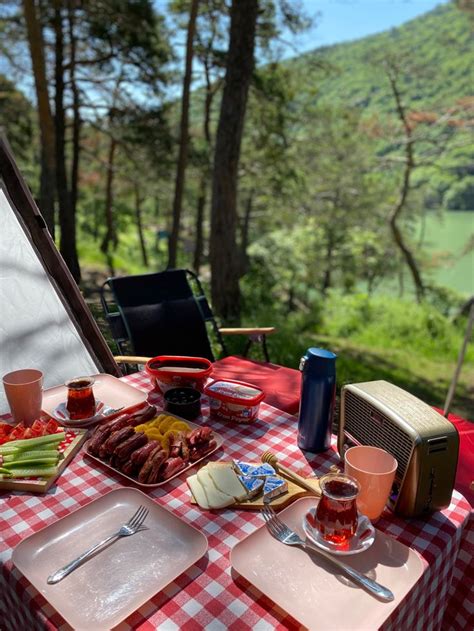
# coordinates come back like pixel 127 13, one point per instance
pixel 102 411
pixel 362 540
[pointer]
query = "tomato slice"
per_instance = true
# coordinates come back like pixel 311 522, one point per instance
pixel 28 433
pixel 5 429
pixel 51 427
pixel 38 428
pixel 17 433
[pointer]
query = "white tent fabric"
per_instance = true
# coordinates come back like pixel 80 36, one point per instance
pixel 36 330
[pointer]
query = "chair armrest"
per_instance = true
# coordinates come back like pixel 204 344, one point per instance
pixel 131 359
pixel 262 330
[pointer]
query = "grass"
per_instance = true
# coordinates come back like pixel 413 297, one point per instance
pixel 425 378
pixel 412 346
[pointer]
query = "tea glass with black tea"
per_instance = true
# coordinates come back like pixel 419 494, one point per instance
pixel 336 513
pixel 80 398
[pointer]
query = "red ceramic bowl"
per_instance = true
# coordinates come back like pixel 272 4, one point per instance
pixel 176 371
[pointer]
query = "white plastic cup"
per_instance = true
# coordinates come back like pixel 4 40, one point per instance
pixel 374 469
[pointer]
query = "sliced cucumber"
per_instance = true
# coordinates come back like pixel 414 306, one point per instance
pixel 8 449
pixel 30 462
pixel 40 441
pixel 34 472
pixel 25 455
pixel 32 443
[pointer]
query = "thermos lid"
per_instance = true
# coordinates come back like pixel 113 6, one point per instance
pixel 319 361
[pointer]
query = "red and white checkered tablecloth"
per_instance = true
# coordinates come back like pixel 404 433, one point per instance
pixel 207 596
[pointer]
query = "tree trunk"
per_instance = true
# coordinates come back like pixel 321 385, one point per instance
pixel 199 240
pixel 244 240
pixel 290 303
pixel 205 173
pixel 47 193
pixel 401 279
pixel 46 123
pixel 223 247
pixel 183 144
pixel 327 279
pixel 76 117
pixel 109 237
pixel 67 221
pixel 138 219
pixel 398 207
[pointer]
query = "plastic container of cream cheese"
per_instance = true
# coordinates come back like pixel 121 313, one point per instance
pixel 231 400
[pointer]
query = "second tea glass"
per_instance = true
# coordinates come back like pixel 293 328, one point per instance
pixel 336 513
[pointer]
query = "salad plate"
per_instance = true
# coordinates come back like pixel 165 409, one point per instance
pixel 68 448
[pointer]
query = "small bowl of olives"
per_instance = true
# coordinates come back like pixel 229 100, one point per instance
pixel 185 402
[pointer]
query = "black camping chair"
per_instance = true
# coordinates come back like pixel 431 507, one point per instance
pixel 166 313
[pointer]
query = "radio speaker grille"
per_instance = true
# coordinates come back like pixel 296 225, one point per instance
pixel 380 432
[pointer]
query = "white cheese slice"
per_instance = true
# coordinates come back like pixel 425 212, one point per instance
pixel 215 497
pixel 198 491
pixel 227 481
pixel 219 464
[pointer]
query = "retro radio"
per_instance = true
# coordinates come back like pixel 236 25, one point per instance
pixel 424 443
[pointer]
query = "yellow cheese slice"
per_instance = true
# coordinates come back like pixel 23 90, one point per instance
pixel 226 480
pixel 215 497
pixel 198 491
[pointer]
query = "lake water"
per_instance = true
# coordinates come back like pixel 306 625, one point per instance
pixel 446 262
pixel 445 238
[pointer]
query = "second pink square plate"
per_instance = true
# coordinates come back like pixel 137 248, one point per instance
pixel 309 589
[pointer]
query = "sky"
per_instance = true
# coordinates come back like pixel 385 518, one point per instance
pixel 343 20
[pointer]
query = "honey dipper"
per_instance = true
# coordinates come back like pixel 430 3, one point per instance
pixel 270 458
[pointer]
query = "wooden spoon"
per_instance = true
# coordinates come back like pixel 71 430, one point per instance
pixel 311 485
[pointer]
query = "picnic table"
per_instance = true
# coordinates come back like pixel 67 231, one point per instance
pixel 209 595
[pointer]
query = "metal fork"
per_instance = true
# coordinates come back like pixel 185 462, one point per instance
pixel 281 532
pixel 133 525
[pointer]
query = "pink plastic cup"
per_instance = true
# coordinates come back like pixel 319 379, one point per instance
pixel 24 390
pixel 374 469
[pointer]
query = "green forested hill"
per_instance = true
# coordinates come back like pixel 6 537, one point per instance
pixel 432 58
pixel 437 49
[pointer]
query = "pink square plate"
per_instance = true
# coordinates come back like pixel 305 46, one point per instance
pixel 308 588
pixel 112 392
pixel 117 581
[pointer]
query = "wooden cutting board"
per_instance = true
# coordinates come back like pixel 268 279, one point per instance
pixel 69 447
pixel 293 493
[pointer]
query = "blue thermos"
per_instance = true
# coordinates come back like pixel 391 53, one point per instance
pixel 318 396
